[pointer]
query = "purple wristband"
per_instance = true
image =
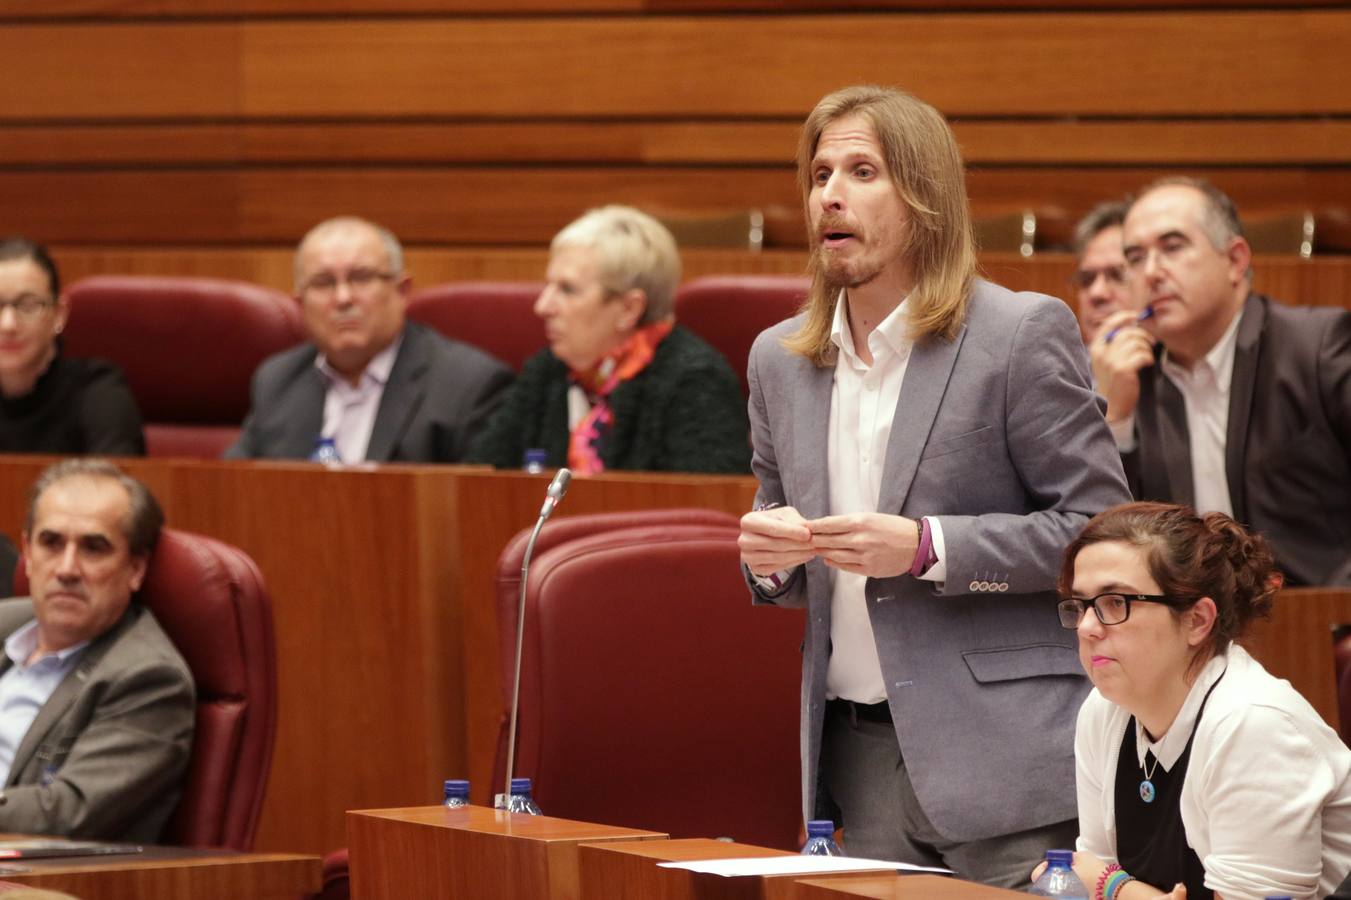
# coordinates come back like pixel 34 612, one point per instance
pixel 925 557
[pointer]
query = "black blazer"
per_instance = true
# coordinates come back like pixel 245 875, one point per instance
pixel 1288 443
pixel 439 393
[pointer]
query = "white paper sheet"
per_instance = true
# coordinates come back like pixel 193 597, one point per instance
pixel 795 865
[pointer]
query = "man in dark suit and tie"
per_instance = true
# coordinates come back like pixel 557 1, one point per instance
pixel 378 387
pixel 927 444
pixel 1222 398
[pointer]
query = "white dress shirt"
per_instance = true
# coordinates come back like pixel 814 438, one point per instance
pixel 1205 396
pixel 862 409
pixel 349 412
pixel 1266 803
pixel 25 688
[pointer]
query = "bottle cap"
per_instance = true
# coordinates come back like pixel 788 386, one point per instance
pixel 1060 857
pixel 520 785
pixel 536 456
pixel 820 828
pixel 456 787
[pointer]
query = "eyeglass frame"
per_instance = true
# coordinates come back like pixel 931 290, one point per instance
pixel 1082 606
pixel 1115 275
pixel 368 280
pixel 27 307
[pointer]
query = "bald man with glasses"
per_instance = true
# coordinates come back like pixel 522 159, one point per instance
pixel 371 386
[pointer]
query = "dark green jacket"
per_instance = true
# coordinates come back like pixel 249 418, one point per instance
pixel 683 413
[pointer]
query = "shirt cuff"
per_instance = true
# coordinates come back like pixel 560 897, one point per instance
pixel 939 570
pixel 774 584
pixel 1124 433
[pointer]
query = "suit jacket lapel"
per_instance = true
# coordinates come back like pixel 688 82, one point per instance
pixel 926 380
pixel 1241 389
pixel 811 431
pixel 402 396
pixel 59 702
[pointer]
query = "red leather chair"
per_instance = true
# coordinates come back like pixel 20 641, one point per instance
pixel 188 348
pixel 730 311
pixel 212 603
pixel 497 317
pixel 1341 658
pixel 653 694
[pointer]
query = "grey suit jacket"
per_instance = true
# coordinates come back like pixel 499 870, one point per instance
pixel 440 392
pixel 106 755
pixel 999 435
pixel 1287 443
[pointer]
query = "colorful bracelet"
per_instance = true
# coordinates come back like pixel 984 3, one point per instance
pixel 1115 882
pixel 1112 868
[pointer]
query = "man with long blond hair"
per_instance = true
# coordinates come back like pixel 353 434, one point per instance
pixel 927 444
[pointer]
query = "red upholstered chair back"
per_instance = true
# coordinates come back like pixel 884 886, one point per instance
pixel 188 348
pixel 1341 659
pixel 212 603
pixel 497 317
pixel 730 311
pixel 653 694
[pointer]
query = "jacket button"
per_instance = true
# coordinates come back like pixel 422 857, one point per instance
pixel 974 586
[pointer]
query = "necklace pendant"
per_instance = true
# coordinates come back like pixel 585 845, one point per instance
pixel 1147 792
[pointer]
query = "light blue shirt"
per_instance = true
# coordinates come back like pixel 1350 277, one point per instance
pixel 24 688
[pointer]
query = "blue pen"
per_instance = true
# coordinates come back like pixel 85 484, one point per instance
pixel 1144 314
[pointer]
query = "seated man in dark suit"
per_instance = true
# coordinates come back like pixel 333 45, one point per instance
pixel 1221 398
pixel 96 706
pixel 371 386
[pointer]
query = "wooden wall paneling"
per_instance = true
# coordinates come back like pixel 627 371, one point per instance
pixel 1155 142
pixel 138 9
pixel 65 71
pixel 1296 644
pixel 1047 63
pixel 504 206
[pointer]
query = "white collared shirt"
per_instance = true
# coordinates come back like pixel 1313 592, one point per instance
pixel 349 412
pixel 25 688
pixel 1205 392
pixel 862 409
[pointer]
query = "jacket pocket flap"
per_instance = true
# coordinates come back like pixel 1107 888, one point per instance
pixel 1032 661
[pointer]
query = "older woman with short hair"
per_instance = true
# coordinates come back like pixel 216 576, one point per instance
pixel 1195 766
pixel 622 386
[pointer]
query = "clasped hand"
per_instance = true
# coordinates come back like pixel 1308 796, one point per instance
pixel 873 544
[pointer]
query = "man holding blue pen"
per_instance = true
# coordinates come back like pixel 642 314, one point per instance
pixel 1221 398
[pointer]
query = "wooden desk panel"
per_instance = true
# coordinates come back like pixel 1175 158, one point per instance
pixel 473 851
pixel 1297 643
pixel 171 873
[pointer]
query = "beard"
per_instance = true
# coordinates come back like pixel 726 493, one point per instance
pixel 839 272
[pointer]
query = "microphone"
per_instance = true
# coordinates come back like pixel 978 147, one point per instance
pixel 557 488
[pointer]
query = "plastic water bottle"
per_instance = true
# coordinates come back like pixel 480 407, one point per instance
pixel 535 459
pixel 457 793
pixel 326 452
pixel 1059 879
pixel 519 800
pixel 821 839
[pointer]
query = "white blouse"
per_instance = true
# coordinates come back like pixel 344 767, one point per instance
pixel 1267 800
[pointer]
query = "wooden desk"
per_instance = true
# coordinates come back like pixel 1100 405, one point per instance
pixel 486 854
pixel 381 583
pixel 899 887
pixel 629 869
pixel 1296 644
pixel 176 873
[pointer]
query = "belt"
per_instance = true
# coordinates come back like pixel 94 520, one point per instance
pixel 867 712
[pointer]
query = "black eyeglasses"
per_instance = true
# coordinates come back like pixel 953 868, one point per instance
pixel 1111 609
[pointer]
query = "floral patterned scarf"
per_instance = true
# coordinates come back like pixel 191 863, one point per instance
pixel 613 369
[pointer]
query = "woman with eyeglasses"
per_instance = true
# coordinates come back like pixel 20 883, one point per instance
pixel 51 403
pixel 621 385
pixel 1196 767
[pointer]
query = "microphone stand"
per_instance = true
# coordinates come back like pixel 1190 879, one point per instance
pixel 557 488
